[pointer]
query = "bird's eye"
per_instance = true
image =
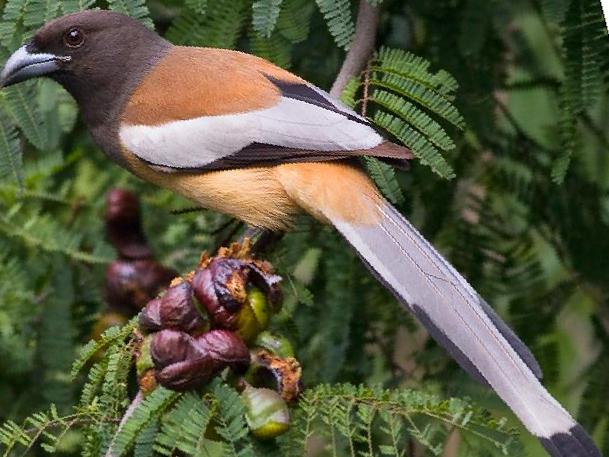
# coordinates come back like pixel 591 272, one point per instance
pixel 74 38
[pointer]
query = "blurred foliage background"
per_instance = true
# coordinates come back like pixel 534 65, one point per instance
pixel 525 218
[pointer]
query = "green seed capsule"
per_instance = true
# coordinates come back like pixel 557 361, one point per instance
pixel 144 359
pixel 275 344
pixel 254 315
pixel 266 413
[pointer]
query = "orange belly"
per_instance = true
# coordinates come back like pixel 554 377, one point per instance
pixel 270 197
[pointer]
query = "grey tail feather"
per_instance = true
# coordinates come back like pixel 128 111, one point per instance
pixel 461 321
pixel 575 443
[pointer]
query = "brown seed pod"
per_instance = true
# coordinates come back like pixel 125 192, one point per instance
pixel 221 289
pixel 130 284
pixel 174 310
pixel 223 286
pixel 147 382
pixel 179 363
pixel 183 362
pixel 124 226
pixel 226 349
pixel 281 374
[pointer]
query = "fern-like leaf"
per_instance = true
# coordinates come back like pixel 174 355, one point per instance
pixel 43 232
pixel 10 151
pixel 11 27
pixel 420 146
pixel 585 46
pixel 220 27
pixel 337 14
pixel 276 48
pixel 197 6
pixel 353 416
pixel 183 428
pixel 294 21
pixel 384 177
pixel 25 113
pixel 264 16
pixel 109 337
pixel 39 12
pixel 144 415
pixel 137 9
pixel 72 6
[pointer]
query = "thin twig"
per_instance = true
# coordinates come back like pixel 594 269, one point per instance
pixel 130 410
pixel 361 47
pixel 365 96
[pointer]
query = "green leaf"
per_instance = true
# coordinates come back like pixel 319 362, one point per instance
pixel 72 6
pixel 20 104
pixel 276 49
pixel 198 6
pixel 265 15
pixel 183 428
pixel 144 414
pixel 337 14
pixel 107 338
pixel 220 27
pixel 418 144
pixel 40 12
pixel 10 151
pixel 137 9
pixel 384 177
pixel 294 21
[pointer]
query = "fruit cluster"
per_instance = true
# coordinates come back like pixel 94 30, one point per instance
pixel 135 276
pixel 213 320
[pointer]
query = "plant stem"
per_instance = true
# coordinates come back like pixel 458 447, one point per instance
pixel 361 47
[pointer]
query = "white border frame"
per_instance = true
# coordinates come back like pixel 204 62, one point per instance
pixel 605 5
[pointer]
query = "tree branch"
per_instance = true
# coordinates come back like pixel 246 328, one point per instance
pixel 361 47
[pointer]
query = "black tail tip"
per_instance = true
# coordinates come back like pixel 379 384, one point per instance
pixel 574 443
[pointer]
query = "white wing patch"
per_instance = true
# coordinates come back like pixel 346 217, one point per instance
pixel 197 142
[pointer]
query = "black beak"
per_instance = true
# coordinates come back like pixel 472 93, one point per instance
pixel 25 64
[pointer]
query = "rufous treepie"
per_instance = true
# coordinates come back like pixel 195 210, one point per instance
pixel 236 134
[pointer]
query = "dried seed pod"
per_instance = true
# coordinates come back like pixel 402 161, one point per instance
pixel 150 318
pixel 266 413
pixel 262 276
pixel 179 362
pixel 174 310
pixel 226 349
pixel 227 289
pixel 221 290
pixel 124 226
pixel 147 382
pixel 182 361
pixel 274 343
pixel 130 284
pixel 281 374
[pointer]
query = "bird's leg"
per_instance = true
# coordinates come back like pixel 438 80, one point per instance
pixel 262 239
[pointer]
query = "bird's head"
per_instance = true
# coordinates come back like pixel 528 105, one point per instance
pixel 84 51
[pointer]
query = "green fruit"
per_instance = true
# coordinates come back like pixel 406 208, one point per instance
pixel 275 344
pixel 259 304
pixel 266 412
pixel 254 316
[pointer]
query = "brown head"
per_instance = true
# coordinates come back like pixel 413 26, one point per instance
pixel 98 56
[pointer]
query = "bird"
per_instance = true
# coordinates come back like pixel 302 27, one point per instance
pixel 239 135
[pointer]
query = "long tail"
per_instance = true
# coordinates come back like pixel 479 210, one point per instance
pixel 461 321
